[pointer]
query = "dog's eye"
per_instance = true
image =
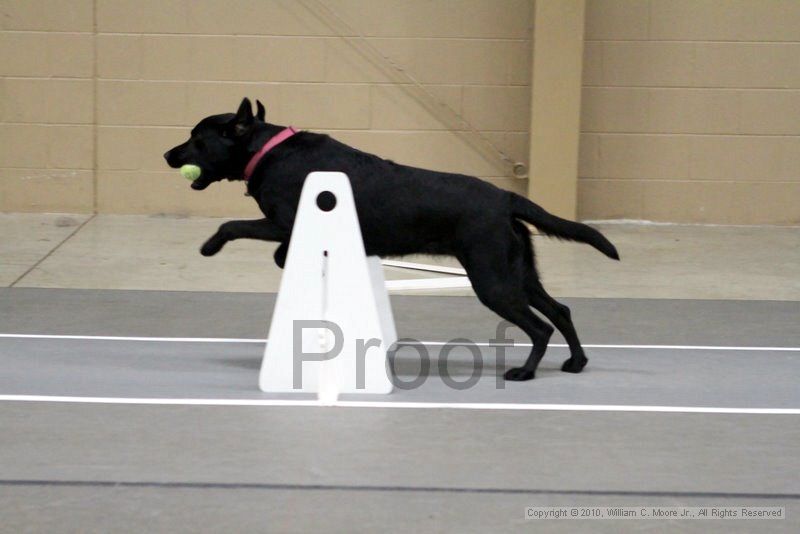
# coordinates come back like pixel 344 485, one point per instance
pixel 200 144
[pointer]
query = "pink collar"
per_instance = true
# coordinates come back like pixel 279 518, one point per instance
pixel 273 141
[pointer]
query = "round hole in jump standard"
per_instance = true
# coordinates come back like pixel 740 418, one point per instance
pixel 326 201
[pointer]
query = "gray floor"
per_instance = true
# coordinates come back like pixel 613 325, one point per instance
pixel 135 468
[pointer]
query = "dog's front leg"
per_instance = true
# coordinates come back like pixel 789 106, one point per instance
pixel 262 229
pixel 280 254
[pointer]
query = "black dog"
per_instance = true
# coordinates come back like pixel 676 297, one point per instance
pixel 401 210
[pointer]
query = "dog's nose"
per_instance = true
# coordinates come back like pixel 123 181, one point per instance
pixel 171 159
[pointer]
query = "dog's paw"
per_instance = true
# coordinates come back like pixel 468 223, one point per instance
pixel 574 365
pixel 280 255
pixel 519 374
pixel 212 246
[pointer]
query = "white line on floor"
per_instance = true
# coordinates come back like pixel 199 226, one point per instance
pixel 407 405
pixel 135 338
pixel 425 343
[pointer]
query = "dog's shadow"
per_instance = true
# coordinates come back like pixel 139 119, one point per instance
pixel 410 368
pixel 250 364
pixel 413 367
pixel 402 366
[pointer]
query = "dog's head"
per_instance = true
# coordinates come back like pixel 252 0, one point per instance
pixel 219 145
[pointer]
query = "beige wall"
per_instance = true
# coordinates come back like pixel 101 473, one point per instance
pixel 94 91
pixel 690 108
pixel 691 111
pixel 46 106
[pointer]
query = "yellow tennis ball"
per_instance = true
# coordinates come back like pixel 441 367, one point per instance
pixel 191 172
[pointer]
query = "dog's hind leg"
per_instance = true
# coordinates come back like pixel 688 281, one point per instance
pixel 556 313
pixel 560 316
pixel 261 229
pixel 498 287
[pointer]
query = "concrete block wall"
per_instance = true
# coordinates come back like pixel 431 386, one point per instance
pixel 690 108
pixel 46 106
pixel 691 111
pixel 94 91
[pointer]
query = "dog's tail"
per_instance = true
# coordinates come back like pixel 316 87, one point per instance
pixel 549 224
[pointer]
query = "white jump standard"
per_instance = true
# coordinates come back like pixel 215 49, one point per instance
pixel 333 324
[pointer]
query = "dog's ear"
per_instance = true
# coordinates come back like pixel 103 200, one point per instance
pixel 261 113
pixel 244 118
